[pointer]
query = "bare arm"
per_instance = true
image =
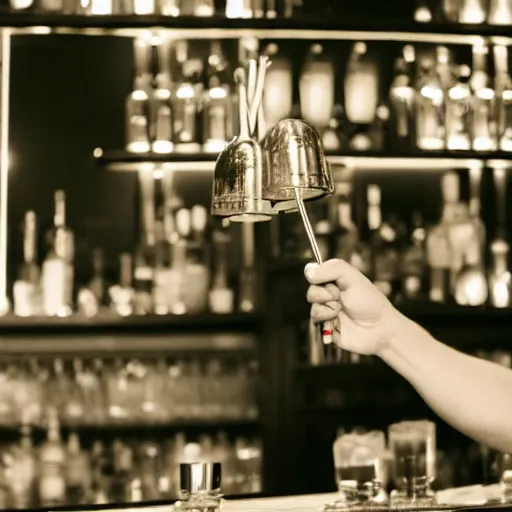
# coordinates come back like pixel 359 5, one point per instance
pixel 472 395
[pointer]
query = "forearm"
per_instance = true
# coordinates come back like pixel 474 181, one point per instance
pixel 471 394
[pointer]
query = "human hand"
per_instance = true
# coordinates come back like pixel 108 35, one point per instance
pixel 363 318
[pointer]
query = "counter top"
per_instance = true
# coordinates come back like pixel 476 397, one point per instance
pixel 306 503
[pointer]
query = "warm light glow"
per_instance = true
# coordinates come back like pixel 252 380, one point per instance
pixel 486 93
pixel 217 93
pixel 163 147
pixel 459 92
pixel 423 15
pixel 138 147
pixel 97 153
pixel 144 6
pixel 500 292
pixel 41 30
pixel 435 94
pixel 237 9
pixel 185 92
pixel 158 173
pixel 101 7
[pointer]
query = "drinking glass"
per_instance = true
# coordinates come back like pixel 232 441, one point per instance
pixel 360 467
pixel 413 447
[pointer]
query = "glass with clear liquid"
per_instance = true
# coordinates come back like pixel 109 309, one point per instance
pixel 413 446
pixel 360 467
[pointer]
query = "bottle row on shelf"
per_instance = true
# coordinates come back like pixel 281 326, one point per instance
pixel 449 261
pixel 63 473
pixel 174 8
pixel 181 266
pixel 470 12
pixel 432 103
pixel 134 391
pixel 495 12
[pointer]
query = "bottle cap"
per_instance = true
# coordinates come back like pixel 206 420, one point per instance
pixel 409 53
pixel 373 195
pixel 200 476
pixel 360 48
pixel 183 222
pixel 199 217
pixel 450 185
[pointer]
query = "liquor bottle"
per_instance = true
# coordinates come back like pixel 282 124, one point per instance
pixel 430 126
pixel 21 5
pixel 161 271
pixel 484 122
pixel 186 102
pixel 23 470
pixel 97 283
pixel 459 110
pixel 278 96
pixel 52 457
pixel 100 7
pixel 413 261
pixel 361 81
pixel 170 8
pixel 77 472
pixel 57 271
pixel 316 88
pixel 217 108
pixel 450 9
pixel 191 226
pixel 144 7
pixel 499 274
pixel 122 294
pixel 137 103
pixel 500 12
pixel 161 113
pixel 472 11
pixel 345 234
pixel 503 97
pixel 239 9
pixel 27 288
pixel 221 298
pixel 401 95
pixel 383 244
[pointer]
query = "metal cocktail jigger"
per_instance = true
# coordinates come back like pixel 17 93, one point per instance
pixel 237 182
pixel 200 477
pixel 294 160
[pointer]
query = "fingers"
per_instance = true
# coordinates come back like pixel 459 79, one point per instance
pixel 322 294
pixel 333 271
pixel 325 312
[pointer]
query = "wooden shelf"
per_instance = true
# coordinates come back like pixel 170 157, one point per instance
pixel 107 334
pixel 110 322
pixel 123 161
pixel 137 426
pixel 219 27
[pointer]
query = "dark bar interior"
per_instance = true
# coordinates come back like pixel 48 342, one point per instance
pixel 156 339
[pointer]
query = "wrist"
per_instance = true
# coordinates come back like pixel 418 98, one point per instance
pixel 398 329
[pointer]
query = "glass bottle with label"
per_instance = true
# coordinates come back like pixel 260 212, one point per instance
pixel 57 271
pixel 161 114
pixel 221 298
pixel 459 107
pixel 430 127
pixel 218 115
pixel 137 103
pixel 484 122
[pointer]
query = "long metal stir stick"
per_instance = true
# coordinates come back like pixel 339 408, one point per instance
pixel 307 226
pixel 327 327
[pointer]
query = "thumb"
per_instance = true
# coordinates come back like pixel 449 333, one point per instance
pixel 338 271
